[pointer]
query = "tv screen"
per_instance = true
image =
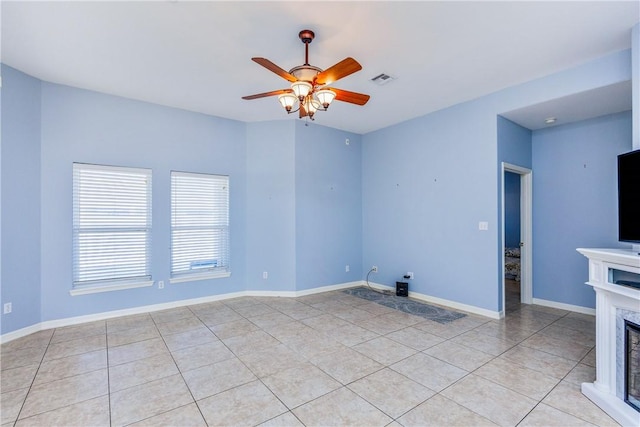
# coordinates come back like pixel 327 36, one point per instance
pixel 629 197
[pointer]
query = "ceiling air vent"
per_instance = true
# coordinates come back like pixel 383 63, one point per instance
pixel 382 79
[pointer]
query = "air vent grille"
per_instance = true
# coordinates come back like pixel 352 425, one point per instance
pixel 382 79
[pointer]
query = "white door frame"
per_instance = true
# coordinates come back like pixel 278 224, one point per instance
pixel 526 234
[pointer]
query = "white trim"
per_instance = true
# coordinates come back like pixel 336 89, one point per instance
pixel 84 290
pixel 136 310
pixel 456 305
pixel 69 321
pixel 563 306
pixel 10 336
pixel 294 294
pixel 444 302
pixel 526 232
pixel 624 414
pixel 58 323
pixel 328 288
pixel 195 278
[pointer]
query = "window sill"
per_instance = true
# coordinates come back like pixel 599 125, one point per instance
pixel 108 288
pixel 194 278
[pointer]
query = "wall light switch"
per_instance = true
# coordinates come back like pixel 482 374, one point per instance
pixel 265 275
pixel 483 225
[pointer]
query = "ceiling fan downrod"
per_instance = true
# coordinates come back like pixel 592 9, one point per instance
pixel 307 37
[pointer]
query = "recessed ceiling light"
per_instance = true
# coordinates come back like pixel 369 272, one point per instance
pixel 550 120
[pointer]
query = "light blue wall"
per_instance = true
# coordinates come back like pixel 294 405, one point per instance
pixel 303 206
pixel 575 202
pixel 271 206
pixel 20 170
pixel 328 206
pixel 84 126
pixel 428 182
pixel 426 185
pixel 514 143
pixel 514 147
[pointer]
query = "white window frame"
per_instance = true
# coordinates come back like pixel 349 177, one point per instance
pixel 200 244
pixel 109 204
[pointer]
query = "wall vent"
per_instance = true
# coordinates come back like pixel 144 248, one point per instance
pixel 382 79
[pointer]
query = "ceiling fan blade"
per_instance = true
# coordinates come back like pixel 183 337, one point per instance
pixel 303 111
pixel 341 69
pixel 263 95
pixel 274 68
pixel 352 97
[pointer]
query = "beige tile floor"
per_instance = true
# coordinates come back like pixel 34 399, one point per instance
pixel 322 360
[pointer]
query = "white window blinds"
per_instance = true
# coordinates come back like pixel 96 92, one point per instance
pixel 199 226
pixel 111 224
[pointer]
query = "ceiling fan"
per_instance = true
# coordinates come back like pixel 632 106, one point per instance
pixel 309 89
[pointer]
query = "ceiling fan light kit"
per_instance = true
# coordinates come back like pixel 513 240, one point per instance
pixel 308 92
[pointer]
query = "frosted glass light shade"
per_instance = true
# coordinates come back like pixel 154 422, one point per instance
pixel 301 89
pixel 311 106
pixel 287 100
pixel 325 96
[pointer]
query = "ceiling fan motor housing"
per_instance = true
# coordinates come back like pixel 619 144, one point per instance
pixel 305 72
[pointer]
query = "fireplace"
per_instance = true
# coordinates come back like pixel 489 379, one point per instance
pixel 617 386
pixel 632 364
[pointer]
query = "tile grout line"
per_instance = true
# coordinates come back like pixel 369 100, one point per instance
pixel 34 379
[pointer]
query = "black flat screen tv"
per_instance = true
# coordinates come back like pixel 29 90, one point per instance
pixel 629 197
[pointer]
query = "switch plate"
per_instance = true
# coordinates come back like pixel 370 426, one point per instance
pixel 346 268
pixel 7 308
pixel 265 275
pixel 483 225
pixel 160 284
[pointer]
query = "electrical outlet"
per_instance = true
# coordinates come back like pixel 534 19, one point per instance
pixel 7 308
pixel 265 275
pixel 410 274
pixel 374 268
pixel 347 268
pixel 161 284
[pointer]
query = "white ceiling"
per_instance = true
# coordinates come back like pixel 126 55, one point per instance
pixel 196 55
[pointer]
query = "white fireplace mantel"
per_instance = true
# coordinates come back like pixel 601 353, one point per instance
pixel 610 298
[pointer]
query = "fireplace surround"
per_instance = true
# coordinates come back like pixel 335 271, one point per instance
pixel 613 274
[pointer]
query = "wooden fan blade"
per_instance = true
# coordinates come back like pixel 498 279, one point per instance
pixel 341 69
pixel 352 97
pixel 263 95
pixel 274 68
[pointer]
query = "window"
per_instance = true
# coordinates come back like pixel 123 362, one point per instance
pixel 199 226
pixel 111 228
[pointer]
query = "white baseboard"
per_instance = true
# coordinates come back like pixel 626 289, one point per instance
pixel 293 294
pixel 70 321
pixel 456 305
pixel 10 336
pixel 563 306
pixel 444 302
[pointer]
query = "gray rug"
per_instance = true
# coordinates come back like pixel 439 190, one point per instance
pixel 416 308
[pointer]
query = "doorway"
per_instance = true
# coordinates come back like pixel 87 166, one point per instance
pixel 516 280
